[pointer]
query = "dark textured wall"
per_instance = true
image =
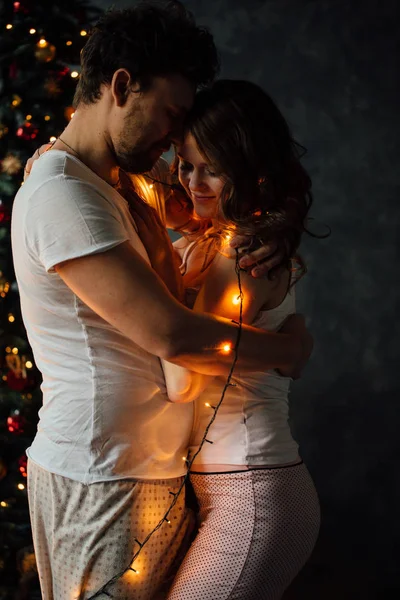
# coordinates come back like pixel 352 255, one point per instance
pixel 333 67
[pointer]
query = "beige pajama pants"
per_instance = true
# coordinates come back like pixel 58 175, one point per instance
pixel 85 534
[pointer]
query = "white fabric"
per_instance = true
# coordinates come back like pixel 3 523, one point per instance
pixel 251 427
pixel 105 414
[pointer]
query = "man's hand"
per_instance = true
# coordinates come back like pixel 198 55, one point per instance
pixel 296 325
pixel 265 261
pixel 34 157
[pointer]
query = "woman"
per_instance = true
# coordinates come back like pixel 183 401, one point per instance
pixel 258 509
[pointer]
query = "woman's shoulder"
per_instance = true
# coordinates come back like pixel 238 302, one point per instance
pixel 180 245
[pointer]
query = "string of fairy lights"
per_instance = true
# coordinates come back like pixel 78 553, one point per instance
pixel 226 348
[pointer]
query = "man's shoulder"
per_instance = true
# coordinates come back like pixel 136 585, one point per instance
pixel 57 176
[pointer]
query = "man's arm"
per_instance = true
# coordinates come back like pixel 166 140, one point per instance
pixel 119 286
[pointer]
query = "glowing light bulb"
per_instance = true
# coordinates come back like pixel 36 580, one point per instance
pixel 208 404
pixel 74 74
pixel 14 350
pixel 3 504
pixel 42 43
pixel 9 26
pixel 28 117
pixel 226 348
pixel 28 364
pixel 83 32
pixel 11 318
pixel 134 570
pixel 68 43
pixel 21 486
pixel 32 31
pixel 236 300
pixel 53 138
pixel 151 186
pixel 47 117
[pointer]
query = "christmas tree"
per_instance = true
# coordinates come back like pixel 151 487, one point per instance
pixel 40 45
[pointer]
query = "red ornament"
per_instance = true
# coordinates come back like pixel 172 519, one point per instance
pixel 5 214
pixel 3 469
pixel 61 73
pixel 16 423
pixel 15 383
pixel 12 72
pixel 27 131
pixel 22 464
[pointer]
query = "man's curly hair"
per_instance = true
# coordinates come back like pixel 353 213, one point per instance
pixel 150 39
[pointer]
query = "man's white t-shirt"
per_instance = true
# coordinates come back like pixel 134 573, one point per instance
pixel 105 413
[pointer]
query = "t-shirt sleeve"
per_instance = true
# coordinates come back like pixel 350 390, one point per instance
pixel 68 218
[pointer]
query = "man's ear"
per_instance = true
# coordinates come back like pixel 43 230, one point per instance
pixel 122 85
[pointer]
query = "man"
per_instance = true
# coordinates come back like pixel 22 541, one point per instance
pixel 107 457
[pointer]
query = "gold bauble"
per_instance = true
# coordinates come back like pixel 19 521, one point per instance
pixel 3 130
pixel 11 164
pixel 52 88
pixel 45 53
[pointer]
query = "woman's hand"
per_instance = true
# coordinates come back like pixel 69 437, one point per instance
pixel 34 157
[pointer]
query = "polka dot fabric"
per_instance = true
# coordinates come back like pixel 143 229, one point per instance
pixel 85 534
pixel 257 530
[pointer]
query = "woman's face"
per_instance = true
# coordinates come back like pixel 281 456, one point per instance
pixel 202 185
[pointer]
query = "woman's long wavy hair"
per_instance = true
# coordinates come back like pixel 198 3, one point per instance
pixel 242 134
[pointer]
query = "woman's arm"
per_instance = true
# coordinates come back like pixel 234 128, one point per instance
pixel 219 295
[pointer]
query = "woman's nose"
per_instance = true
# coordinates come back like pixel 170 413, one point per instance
pixel 196 182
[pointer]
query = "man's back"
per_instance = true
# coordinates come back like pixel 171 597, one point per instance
pixel 104 413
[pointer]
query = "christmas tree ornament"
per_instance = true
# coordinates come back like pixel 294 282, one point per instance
pixel 44 51
pixel 27 131
pixel 22 465
pixel 5 215
pixel 26 560
pixel 4 286
pixel 52 88
pixel 3 468
pixel 3 130
pixel 11 164
pixel 12 72
pixel 16 100
pixel 17 375
pixel 16 422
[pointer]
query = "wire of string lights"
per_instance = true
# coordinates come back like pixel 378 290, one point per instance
pixel 104 590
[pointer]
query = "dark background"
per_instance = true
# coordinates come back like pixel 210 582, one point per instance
pixel 333 68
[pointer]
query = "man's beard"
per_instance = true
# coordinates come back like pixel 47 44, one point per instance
pixel 135 163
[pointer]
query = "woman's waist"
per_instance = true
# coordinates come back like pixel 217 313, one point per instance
pixel 211 468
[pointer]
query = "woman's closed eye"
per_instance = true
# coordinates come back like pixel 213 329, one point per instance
pixel 185 166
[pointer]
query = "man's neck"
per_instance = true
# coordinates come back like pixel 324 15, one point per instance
pixel 84 139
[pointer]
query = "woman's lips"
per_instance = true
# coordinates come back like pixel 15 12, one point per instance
pixel 202 198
